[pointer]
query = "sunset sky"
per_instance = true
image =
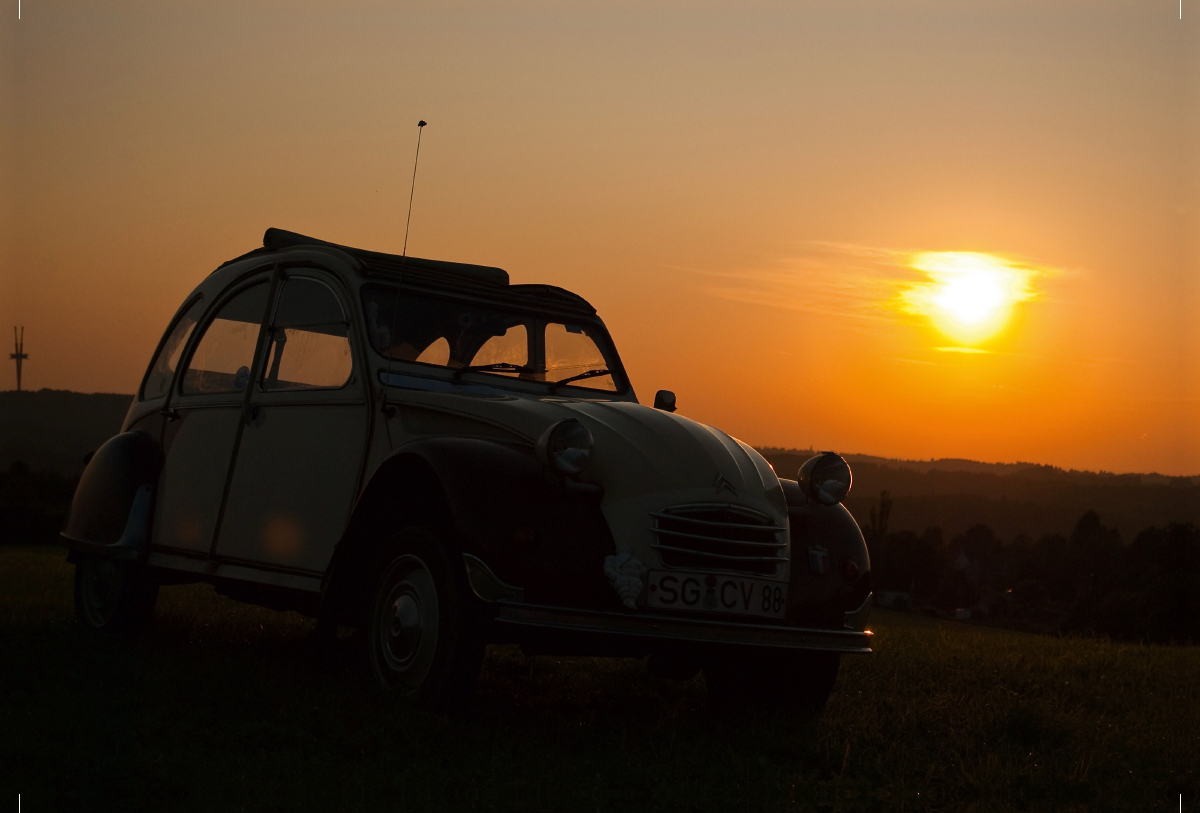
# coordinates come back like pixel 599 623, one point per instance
pixel 911 229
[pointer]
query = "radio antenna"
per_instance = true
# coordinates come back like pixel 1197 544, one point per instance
pixel 411 190
pixel 400 276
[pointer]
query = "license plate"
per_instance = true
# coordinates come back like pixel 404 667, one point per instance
pixel 708 592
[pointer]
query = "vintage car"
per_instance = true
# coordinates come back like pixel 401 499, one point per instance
pixel 440 459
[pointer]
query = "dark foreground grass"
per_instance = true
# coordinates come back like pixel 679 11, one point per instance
pixel 216 707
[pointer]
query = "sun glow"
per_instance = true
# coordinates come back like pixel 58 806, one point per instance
pixel 969 296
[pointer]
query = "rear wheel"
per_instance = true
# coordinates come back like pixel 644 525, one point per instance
pixel 113 596
pixel 421 642
pixel 772 678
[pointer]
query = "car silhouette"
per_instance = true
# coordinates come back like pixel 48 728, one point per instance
pixel 443 460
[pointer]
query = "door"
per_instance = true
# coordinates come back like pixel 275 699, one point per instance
pixel 301 450
pixel 202 422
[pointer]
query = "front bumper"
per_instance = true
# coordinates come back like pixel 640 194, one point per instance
pixel 522 620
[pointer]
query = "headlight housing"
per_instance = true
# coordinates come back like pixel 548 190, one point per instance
pixel 566 447
pixel 826 478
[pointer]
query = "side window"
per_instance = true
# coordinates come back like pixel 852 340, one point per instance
pixel 572 354
pixel 310 345
pixel 162 369
pixel 222 359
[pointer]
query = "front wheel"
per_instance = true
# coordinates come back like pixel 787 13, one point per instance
pixel 420 638
pixel 113 596
pixel 772 678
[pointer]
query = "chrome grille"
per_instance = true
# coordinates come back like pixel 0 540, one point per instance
pixel 718 536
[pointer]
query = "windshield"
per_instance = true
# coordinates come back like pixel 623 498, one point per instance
pixel 488 340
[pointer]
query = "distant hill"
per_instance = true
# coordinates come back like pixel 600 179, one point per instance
pixel 1012 498
pixel 54 429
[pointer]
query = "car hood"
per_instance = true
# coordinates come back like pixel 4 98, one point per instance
pixel 646 459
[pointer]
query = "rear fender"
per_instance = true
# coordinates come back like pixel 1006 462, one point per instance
pixel 113 504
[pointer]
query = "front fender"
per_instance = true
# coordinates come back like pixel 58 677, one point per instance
pixel 823 538
pixel 491 490
pixel 529 526
pixel 111 510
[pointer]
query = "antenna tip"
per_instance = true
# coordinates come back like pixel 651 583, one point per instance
pixel 421 123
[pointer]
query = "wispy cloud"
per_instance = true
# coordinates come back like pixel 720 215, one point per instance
pixel 877 284
pixel 831 279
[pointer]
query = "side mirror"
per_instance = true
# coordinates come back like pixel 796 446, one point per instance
pixel 664 400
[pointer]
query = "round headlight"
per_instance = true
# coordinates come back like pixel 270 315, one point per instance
pixel 566 447
pixel 826 478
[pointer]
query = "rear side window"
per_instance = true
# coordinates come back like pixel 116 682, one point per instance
pixel 222 359
pixel 310 347
pixel 162 369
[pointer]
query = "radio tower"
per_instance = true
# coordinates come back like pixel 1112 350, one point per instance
pixel 20 355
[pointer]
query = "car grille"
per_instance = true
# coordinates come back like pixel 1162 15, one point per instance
pixel 717 536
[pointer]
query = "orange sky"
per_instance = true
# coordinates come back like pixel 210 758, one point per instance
pixel 738 188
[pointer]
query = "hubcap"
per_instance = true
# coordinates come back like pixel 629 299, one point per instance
pixel 404 634
pixel 101 590
pixel 407 623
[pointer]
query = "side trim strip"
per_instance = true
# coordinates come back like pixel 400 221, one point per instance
pixel 214 570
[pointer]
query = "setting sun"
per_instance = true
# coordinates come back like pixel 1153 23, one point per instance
pixel 969 296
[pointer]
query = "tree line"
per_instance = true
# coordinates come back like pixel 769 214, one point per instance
pixel 33 504
pixel 1090 581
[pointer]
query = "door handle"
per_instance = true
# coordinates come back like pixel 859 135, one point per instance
pixel 170 413
pixel 250 414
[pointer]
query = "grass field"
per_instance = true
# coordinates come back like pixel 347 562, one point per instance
pixel 217 707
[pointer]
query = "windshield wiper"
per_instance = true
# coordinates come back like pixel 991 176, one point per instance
pixel 589 374
pixel 498 367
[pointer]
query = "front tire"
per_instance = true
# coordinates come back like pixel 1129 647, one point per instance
pixel 421 642
pixel 113 596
